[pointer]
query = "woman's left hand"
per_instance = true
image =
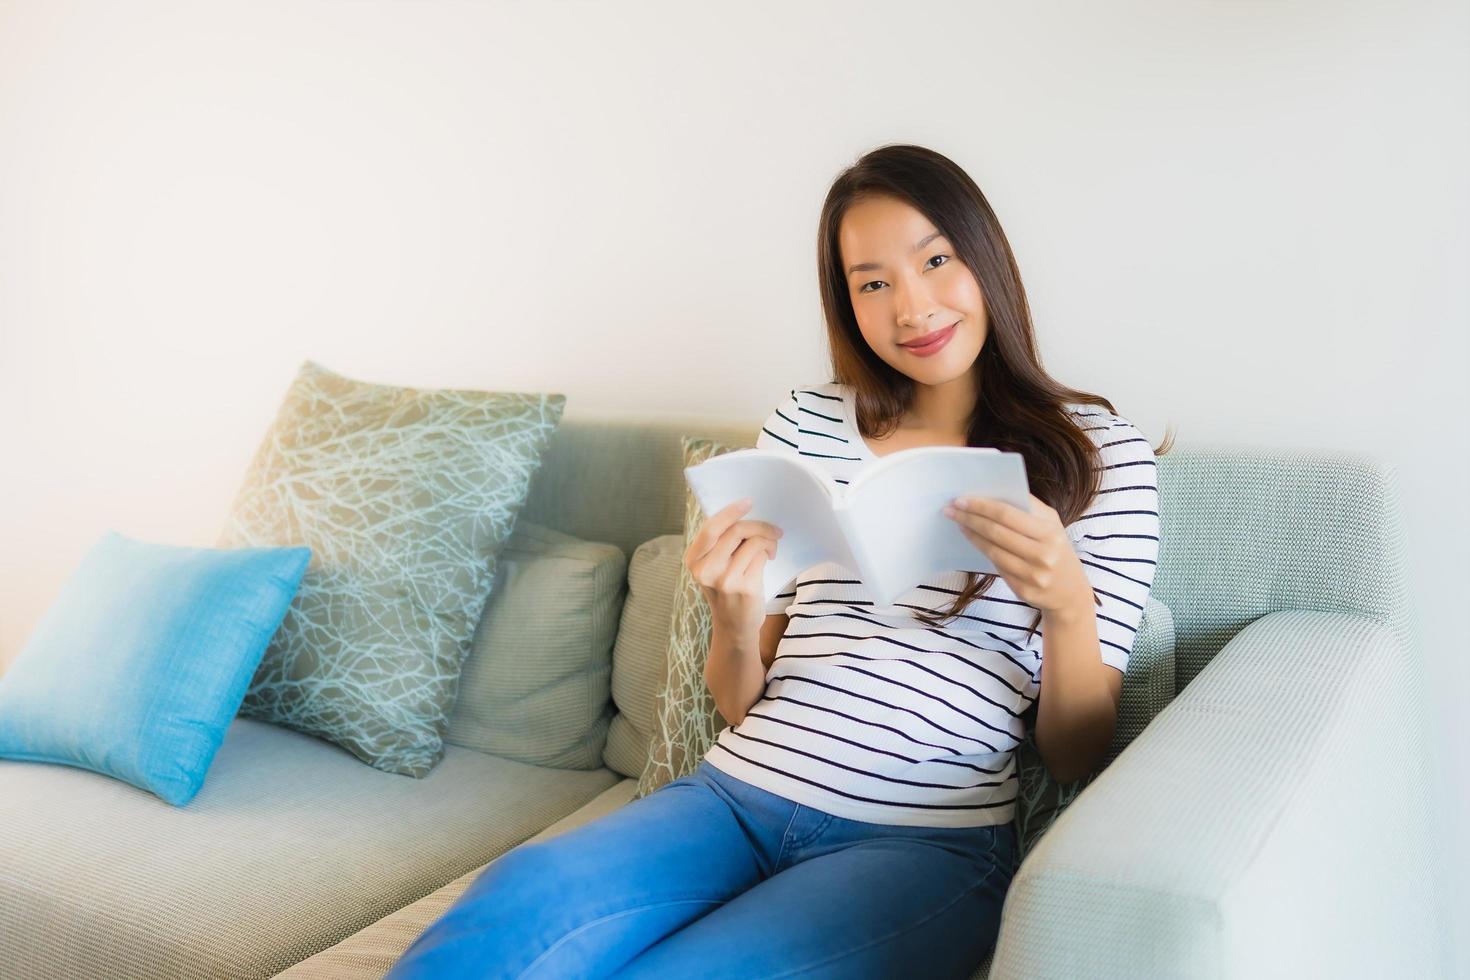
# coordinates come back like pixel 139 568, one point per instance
pixel 1031 551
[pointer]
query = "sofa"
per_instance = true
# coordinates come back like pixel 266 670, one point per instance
pixel 1271 820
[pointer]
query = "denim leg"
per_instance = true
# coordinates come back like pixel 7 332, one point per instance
pixel 900 902
pixel 583 903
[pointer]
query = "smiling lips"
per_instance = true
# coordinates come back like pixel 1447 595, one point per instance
pixel 931 342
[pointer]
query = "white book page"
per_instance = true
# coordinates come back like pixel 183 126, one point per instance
pixel 786 491
pixel 894 512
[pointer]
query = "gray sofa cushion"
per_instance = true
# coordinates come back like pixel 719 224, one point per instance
pixel 370 954
pixel 642 649
pixel 535 687
pixel 291 846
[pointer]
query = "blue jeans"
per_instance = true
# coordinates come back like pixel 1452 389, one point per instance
pixel 712 877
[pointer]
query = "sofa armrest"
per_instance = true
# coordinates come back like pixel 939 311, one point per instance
pixel 1273 820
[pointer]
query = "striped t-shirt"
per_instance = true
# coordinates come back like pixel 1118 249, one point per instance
pixel 873 715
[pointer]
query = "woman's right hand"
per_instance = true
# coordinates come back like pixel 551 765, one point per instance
pixel 727 558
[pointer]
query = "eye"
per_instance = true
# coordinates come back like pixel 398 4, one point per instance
pixel 864 287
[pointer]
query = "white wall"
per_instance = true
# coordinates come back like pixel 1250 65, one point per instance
pixel 1248 220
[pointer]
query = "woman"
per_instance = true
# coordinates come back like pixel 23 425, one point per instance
pixel 855 818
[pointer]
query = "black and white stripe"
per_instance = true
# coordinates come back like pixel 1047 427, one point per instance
pixel 873 715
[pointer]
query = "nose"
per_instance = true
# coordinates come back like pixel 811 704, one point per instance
pixel 912 304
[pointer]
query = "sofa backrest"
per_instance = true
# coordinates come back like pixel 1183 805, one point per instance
pixel 1250 530
pixel 1246 530
pixel 618 477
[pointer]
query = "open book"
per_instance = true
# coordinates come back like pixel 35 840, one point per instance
pixel 887 526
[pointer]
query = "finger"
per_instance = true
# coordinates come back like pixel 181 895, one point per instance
pixel 1002 515
pixel 1024 547
pixel 751 553
pixel 1000 520
pixel 716 525
pixel 724 549
pixel 755 568
pixel 732 539
pixel 726 520
pixel 761 528
pixel 741 530
pixel 1004 561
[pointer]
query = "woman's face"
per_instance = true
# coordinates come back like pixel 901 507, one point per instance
pixel 910 284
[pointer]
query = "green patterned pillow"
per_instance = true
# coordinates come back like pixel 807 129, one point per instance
pixel 686 720
pixel 1148 687
pixel 405 498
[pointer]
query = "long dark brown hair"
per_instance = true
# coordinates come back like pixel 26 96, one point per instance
pixel 1020 407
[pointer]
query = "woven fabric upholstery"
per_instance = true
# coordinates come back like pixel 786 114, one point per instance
pixel 618 476
pixel 372 952
pixel 1270 822
pixel 641 653
pixel 1247 530
pixel 534 687
pixel 291 845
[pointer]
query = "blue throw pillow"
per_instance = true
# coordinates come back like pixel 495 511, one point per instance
pixel 142 661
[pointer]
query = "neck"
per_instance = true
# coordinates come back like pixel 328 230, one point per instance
pixel 943 408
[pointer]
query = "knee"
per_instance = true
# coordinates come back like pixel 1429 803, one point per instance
pixel 528 867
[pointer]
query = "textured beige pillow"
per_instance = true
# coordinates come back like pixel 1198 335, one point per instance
pixel 641 653
pixel 405 498
pixel 686 720
pixel 534 687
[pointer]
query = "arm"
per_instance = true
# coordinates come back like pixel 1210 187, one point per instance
pixel 1081 688
pixel 735 672
pixel 1078 707
pixel 771 632
pixel 1087 636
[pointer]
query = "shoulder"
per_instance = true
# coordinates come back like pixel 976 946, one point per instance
pixel 1126 502
pixel 823 398
pixel 824 393
pixel 1094 416
pixel 794 418
pixel 1113 435
pixel 1125 457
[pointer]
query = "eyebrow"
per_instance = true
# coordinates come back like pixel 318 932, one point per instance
pixel 869 266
